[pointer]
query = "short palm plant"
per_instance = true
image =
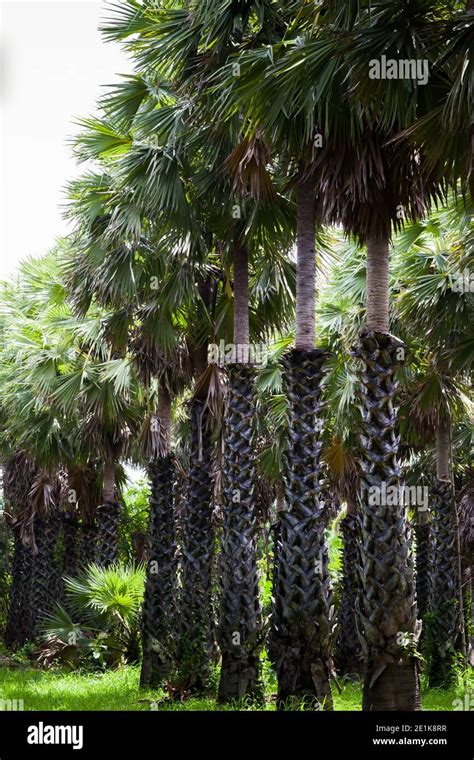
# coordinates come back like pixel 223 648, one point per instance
pixel 99 620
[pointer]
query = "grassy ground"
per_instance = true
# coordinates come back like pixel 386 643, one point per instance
pixel 119 690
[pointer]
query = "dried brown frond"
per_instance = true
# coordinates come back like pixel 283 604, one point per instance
pixel 211 388
pixel 372 185
pixel 85 484
pixel 173 368
pixel 248 167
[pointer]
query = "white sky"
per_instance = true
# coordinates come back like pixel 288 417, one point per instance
pixel 53 63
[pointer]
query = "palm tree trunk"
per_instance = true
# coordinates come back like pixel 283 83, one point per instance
pixel 387 614
pixel 87 544
pixel 446 629
pixel 471 168
pixel 377 286
pixel 46 587
pixel 109 481
pixel 348 652
pixel 241 296
pixel 443 451
pixel 159 615
pixel 19 628
pixel 71 544
pixel 424 559
pixel 302 617
pixel 18 477
pixel 306 267
pixel 469 613
pixel 196 644
pixel 108 520
pixel 239 631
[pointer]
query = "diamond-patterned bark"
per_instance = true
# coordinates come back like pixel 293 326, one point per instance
pixel 348 651
pixel 424 560
pixel 87 544
pixel 239 631
pixel 445 625
pixel 19 626
pixel 71 544
pixel 387 615
pixel 196 642
pixel 46 588
pixel 159 618
pixel 302 617
pixel 108 526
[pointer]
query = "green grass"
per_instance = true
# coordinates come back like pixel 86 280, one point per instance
pixel 119 690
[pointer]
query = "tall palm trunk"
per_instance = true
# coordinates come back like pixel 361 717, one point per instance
pixel 306 267
pixel 19 624
pixel 466 534
pixel 159 618
pixel 240 625
pixel 87 481
pixel 302 613
pixel 18 477
pixel 108 520
pixel 348 652
pixel 71 544
pixel 387 605
pixel 469 613
pixel 447 624
pixel 47 587
pixel 196 645
pixel 424 559
pixel 471 167
pixel 87 544
pixel 47 584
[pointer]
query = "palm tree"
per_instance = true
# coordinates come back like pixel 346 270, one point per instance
pixel 303 618
pixel 387 609
pixel 239 631
pixel 197 630
pixel 81 396
pixel 105 392
pixel 34 436
pixel 36 574
pixel 455 160
pixel 340 318
pixel 433 321
pixel 159 607
pixel 112 227
pixel 171 40
pixel 430 305
pixel 359 145
pixel 467 535
pixel 302 610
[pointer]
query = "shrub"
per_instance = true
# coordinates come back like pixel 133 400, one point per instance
pixel 135 520
pixel 99 623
